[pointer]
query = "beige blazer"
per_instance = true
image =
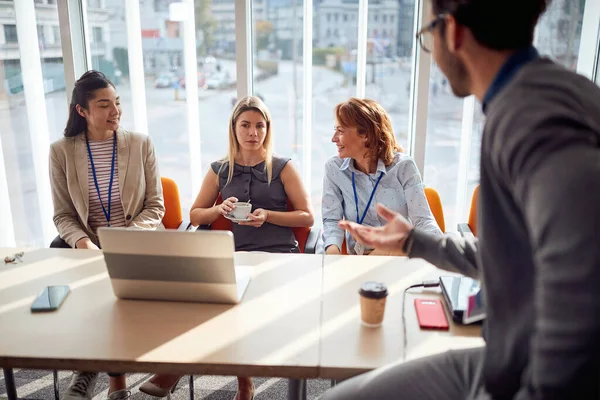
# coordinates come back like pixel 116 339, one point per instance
pixel 139 185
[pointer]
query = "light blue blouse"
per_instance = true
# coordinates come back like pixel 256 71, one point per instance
pixel 400 189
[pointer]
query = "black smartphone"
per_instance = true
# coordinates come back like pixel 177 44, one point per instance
pixel 51 298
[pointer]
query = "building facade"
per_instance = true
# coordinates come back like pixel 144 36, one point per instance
pixel 336 23
pixel 49 43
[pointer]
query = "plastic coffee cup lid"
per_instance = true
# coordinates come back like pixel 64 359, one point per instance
pixel 373 290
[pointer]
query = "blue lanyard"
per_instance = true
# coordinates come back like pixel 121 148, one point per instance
pixel 112 174
pixel 360 221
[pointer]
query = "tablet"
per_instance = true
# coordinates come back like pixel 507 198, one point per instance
pixel 464 299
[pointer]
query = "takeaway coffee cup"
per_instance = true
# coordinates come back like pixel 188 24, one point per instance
pixel 241 210
pixel 372 303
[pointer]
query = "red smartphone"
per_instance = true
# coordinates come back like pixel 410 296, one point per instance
pixel 431 315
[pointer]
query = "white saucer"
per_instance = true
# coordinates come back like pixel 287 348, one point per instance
pixel 236 220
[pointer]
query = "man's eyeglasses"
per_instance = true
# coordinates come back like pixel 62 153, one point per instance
pixel 425 35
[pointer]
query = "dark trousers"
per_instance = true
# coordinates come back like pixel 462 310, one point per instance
pixel 59 243
pixel 454 375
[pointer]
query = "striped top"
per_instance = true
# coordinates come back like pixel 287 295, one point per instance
pixel 102 154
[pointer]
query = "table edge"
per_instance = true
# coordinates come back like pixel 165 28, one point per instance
pixel 114 366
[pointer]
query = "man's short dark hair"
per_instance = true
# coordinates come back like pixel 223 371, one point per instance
pixel 496 24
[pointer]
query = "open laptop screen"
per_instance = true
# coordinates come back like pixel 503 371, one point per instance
pixel 464 298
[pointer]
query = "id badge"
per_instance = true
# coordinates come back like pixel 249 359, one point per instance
pixel 359 249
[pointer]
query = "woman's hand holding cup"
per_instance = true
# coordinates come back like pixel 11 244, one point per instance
pixel 257 218
pixel 227 205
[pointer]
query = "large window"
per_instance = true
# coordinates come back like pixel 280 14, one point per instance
pixel 389 61
pixel 278 70
pixel 164 79
pixel 216 27
pixel 30 115
pixel 442 146
pixel 559 31
pixel 557 36
pixel 154 88
pixel 334 81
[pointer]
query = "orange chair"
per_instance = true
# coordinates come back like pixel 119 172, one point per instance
pixel 470 228
pixel 435 204
pixel 344 246
pixel 306 237
pixel 173 218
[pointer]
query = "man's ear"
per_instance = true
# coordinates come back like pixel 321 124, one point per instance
pixel 454 34
pixel 80 110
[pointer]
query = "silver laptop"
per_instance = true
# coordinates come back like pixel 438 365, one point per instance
pixel 173 265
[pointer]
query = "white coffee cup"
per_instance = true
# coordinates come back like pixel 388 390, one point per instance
pixel 241 210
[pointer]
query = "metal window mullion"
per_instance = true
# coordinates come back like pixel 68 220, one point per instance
pixel 7 229
pixel 587 62
pixel 307 92
pixel 33 85
pixel 361 56
pixel 419 93
pixel 190 60
pixel 136 66
pixel 74 41
pixel 464 157
pixel 536 34
pixel 596 76
pixel 243 47
pixel 86 32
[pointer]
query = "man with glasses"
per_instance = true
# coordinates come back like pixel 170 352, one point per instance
pixel 538 251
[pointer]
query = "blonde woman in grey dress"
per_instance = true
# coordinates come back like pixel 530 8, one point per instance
pixel 249 172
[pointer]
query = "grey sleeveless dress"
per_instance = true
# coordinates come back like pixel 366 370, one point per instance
pixel 252 183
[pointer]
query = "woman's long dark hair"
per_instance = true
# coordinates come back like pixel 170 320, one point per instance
pixel 82 93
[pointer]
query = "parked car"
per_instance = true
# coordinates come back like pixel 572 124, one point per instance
pixel 218 80
pixel 201 80
pixel 215 81
pixel 165 80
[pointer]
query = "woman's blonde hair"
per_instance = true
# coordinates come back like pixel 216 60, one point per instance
pixel 371 120
pixel 249 103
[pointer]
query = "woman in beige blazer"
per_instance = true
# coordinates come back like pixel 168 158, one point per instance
pixel 94 116
pixel 101 175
